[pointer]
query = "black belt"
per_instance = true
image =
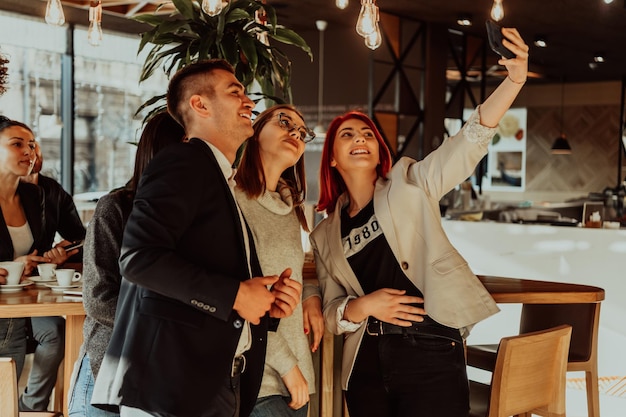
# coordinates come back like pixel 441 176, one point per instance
pixel 239 366
pixel 379 328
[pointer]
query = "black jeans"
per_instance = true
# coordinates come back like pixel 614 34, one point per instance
pixel 408 376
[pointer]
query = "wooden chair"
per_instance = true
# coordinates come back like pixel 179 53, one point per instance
pixel 8 393
pixel 583 352
pixel 529 376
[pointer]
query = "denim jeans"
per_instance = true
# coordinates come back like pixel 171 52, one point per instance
pixel 80 396
pixel 13 341
pixel 49 333
pixel 276 406
pixel 408 376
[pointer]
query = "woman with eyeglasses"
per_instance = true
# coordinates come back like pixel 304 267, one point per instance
pixel 271 191
pixel 391 281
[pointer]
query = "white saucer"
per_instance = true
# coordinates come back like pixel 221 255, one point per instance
pixel 61 288
pixel 40 280
pixel 15 288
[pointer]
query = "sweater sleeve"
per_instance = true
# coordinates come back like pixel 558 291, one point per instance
pixel 101 282
pixel 279 356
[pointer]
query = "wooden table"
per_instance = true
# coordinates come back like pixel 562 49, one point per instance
pixel 527 291
pixel 36 301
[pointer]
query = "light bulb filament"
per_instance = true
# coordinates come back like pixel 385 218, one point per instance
pixel 54 13
pixel 212 7
pixel 497 11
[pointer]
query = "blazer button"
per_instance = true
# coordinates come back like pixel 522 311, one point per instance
pixel 194 302
pixel 200 304
pixel 405 265
pixel 238 324
pixel 206 307
pixel 212 309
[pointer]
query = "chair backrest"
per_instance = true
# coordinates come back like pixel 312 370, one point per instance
pixel 582 317
pixel 530 373
pixel 8 388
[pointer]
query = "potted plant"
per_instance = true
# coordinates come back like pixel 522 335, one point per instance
pixel 243 33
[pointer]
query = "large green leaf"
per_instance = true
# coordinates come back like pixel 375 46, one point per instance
pixel 150 102
pixel 290 37
pixel 185 8
pixel 249 49
pixel 237 14
pixel 151 19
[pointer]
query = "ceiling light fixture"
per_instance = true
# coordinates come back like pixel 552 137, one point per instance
pixel 368 18
pixel 367 24
pixel 464 20
pixel 321 26
pixel 342 4
pixel 94 33
pixel 540 41
pixel 561 145
pixel 497 11
pixel 54 13
pixel 599 58
pixel 212 7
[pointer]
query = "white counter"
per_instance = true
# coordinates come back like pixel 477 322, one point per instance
pixel 565 254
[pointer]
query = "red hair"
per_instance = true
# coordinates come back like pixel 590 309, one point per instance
pixel 331 183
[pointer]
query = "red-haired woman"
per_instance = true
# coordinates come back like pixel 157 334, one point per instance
pixel 391 282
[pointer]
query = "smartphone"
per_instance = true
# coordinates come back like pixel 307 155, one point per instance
pixel 494 33
pixel 74 245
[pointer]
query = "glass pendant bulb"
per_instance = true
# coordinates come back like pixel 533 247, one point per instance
pixel 94 33
pixel 497 11
pixel 212 7
pixel 54 13
pixel 374 39
pixel 342 4
pixel 368 16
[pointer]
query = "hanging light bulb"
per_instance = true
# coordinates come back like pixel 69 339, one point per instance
pixel 497 11
pixel 374 39
pixel 368 16
pixel 212 7
pixel 94 33
pixel 342 4
pixel 54 13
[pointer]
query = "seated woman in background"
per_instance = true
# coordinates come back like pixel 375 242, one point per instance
pixel 101 274
pixel 270 191
pixel 22 238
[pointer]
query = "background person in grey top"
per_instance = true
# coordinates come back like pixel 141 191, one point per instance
pixel 270 192
pixel 101 272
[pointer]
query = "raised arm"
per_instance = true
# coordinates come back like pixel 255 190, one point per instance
pixel 494 107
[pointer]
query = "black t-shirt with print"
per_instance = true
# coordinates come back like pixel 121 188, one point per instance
pixel 373 261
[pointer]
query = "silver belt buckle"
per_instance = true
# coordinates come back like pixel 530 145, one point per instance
pixel 374 331
pixel 239 365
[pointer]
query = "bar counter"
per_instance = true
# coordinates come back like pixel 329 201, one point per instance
pixel 594 257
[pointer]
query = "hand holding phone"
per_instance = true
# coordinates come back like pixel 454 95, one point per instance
pixel 74 245
pixel 494 33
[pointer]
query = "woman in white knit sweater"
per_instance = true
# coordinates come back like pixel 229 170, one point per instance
pixel 270 192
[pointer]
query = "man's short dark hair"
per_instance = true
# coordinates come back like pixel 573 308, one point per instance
pixel 191 80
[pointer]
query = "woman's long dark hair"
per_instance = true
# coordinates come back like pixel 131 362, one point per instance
pixel 161 130
pixel 250 176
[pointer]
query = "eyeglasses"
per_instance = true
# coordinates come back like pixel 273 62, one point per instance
pixel 285 123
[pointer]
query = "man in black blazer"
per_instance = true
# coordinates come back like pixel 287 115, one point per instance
pixel 190 330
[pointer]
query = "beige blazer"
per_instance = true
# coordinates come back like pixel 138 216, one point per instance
pixel 406 204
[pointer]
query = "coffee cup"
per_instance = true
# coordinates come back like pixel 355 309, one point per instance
pixel 46 271
pixel 65 277
pixel 15 270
